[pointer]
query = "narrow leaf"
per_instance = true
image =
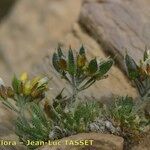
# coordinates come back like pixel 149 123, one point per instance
pixel 105 67
pixel 16 84
pixel 93 66
pixel 82 50
pixel 55 62
pixel 145 55
pixel 132 67
pixel 59 51
pixel 71 63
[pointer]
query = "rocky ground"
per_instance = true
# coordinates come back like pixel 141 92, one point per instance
pixel 31 30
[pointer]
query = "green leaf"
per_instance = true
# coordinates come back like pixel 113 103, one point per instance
pixel 145 55
pixel 16 84
pixel 38 112
pixel 59 51
pixel 105 67
pixel 93 66
pixel 33 127
pixel 55 62
pixel 82 50
pixel 132 67
pixel 71 63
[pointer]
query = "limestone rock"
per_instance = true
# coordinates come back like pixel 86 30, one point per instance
pixel 32 28
pixel 5 8
pixel 118 25
pixel 100 142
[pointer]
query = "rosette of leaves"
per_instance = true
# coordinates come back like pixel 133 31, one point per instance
pixel 78 71
pixel 123 115
pixel 140 73
pixel 72 121
pixel 23 91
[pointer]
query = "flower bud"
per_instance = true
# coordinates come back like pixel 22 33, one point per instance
pixel 62 64
pixel 24 77
pixel 3 92
pixel 27 88
pixel 81 61
pixel 10 92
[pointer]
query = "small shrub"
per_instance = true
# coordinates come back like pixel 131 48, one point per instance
pixel 123 114
pixel 78 71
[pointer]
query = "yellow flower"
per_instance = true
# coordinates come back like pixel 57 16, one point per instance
pixel 24 77
pixel 27 88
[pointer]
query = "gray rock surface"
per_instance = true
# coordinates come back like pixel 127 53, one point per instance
pixel 118 25
pixel 5 8
pixel 31 30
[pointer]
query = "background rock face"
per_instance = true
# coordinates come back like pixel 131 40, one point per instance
pixel 5 7
pixel 118 25
pixel 101 142
pixel 31 30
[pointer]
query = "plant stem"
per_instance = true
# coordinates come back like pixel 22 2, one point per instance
pixel 74 90
pixel 10 106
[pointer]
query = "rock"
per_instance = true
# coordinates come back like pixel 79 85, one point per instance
pixel 144 144
pixel 118 25
pixel 5 8
pixel 100 142
pixel 31 30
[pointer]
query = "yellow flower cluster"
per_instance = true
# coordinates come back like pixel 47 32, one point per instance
pixel 34 87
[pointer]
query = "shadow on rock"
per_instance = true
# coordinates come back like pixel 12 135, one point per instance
pixel 5 8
